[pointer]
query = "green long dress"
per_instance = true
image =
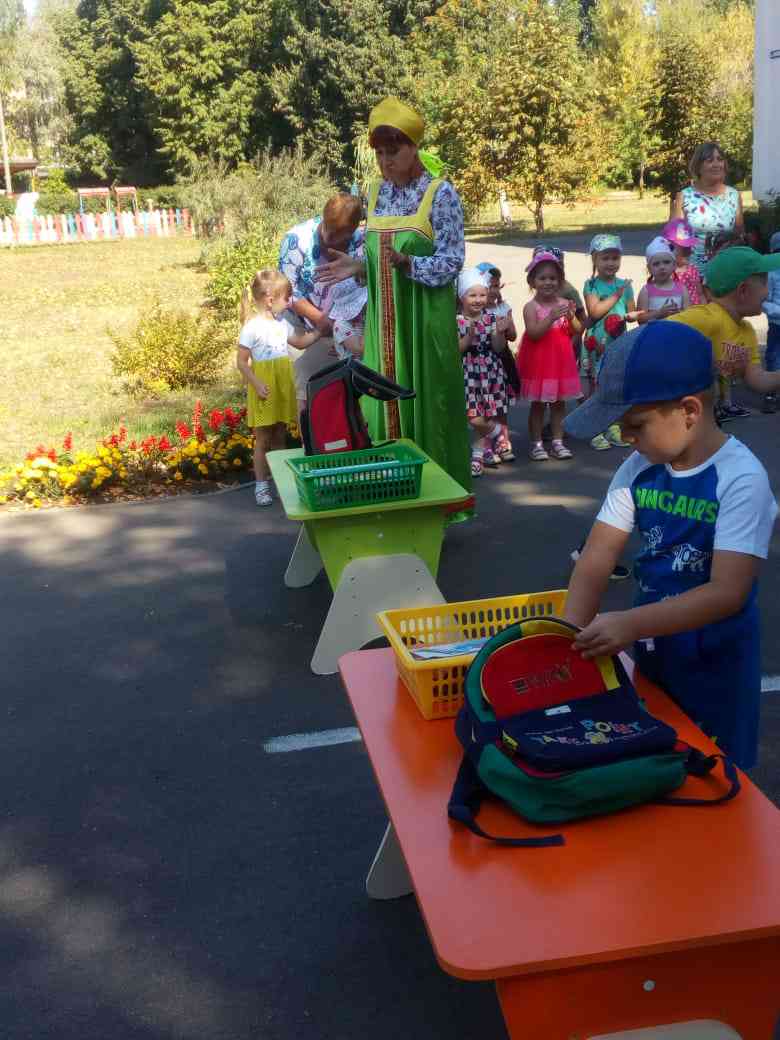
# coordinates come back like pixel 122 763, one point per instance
pixel 411 336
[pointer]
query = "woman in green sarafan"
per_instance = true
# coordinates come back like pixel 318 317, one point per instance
pixel 414 249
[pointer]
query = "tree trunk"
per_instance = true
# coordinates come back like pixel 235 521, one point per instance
pixel 4 146
pixel 539 218
pixel 642 180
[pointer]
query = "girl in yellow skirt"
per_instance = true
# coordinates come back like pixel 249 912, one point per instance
pixel 265 364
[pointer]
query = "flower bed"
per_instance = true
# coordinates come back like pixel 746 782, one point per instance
pixel 215 449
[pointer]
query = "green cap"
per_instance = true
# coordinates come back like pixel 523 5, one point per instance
pixel 732 265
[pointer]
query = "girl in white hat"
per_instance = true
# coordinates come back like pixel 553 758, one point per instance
pixel 483 374
pixel 663 295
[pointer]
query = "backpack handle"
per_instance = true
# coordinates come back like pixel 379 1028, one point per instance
pixel 465 802
pixel 701 765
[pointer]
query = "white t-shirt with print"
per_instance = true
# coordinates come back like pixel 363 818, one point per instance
pixel 266 337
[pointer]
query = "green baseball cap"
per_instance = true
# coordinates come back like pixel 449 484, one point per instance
pixel 732 265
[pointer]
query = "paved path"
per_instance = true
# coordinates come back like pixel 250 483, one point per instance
pixel 161 874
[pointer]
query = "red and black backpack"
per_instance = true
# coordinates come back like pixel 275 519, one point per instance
pixel 332 420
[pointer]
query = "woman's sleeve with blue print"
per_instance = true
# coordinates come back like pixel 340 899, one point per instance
pixel 448 241
pixel 746 514
pixel 290 261
pixel 618 509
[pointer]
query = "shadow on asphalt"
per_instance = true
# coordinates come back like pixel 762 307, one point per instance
pixel 161 875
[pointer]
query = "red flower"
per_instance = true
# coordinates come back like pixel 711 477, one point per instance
pixel 591 343
pixel 164 444
pixel 68 442
pixel 122 434
pixel 197 413
pixel 614 325
pixel 216 418
pixel 148 446
pixel 133 446
pixel 183 430
pixel 52 454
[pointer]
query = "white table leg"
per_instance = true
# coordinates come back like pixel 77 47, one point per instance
pixel 699 1030
pixel 366 586
pixel 388 877
pixel 305 563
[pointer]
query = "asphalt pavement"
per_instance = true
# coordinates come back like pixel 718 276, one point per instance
pixel 161 875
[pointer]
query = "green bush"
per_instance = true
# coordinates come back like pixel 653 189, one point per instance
pixel 7 206
pixel 232 267
pixel 269 195
pixel 166 196
pixel 170 350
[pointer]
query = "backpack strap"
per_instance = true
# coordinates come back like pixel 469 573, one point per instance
pixel 699 764
pixel 466 800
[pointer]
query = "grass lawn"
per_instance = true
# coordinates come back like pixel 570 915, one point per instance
pixel 617 210
pixel 57 305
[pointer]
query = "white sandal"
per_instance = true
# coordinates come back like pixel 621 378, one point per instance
pixel 558 450
pixel 538 453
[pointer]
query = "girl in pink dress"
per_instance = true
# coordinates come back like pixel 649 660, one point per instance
pixel 548 372
pixel 682 239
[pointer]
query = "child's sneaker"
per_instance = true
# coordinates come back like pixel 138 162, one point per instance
pixel 769 407
pixel 613 436
pixel 537 453
pixel 263 496
pixel 504 449
pixel 490 460
pixel 600 443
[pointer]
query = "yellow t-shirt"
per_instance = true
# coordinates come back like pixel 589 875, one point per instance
pixel 733 342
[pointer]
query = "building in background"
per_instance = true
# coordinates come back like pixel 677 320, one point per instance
pixel 766 102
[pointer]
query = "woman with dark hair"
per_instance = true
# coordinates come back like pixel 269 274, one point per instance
pixel 414 250
pixel 708 204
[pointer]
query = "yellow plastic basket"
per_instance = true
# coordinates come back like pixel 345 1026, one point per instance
pixel 437 686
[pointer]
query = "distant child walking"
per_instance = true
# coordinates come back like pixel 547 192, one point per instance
pixel 663 295
pixel 609 301
pixel 548 371
pixel 682 240
pixel 483 374
pixel 264 362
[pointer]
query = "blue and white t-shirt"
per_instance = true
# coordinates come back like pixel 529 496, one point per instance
pixel 684 516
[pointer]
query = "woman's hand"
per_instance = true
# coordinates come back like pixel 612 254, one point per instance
pixel 341 266
pixel 261 389
pixel 400 261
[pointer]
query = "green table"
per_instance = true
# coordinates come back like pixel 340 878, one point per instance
pixel 376 557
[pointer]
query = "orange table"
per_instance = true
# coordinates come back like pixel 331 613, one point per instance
pixel 643 918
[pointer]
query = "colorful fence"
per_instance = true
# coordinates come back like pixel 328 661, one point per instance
pixel 94 227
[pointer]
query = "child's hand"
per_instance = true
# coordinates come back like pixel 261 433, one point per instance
pixel 560 310
pixel 606 634
pixel 262 390
pixel 502 324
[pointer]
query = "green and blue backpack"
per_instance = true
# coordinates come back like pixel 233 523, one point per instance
pixel 557 737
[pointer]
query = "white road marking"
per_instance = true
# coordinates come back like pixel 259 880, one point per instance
pixel 329 737
pixel 304 741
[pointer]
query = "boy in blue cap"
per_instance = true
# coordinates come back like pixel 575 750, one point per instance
pixel 704 508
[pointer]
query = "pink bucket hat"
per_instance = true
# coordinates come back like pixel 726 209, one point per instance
pixel 544 256
pixel 679 233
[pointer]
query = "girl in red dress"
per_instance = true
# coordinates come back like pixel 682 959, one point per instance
pixel 548 372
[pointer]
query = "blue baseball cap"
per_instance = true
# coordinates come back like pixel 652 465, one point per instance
pixel 660 361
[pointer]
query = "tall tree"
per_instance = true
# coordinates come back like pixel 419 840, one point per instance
pixel 625 53
pixel 528 126
pixel 110 105
pixel 338 60
pixel 203 69
pixel 708 96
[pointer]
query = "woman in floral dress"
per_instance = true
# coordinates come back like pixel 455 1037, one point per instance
pixel 708 204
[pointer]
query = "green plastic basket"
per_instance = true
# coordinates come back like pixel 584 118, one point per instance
pixel 367 477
